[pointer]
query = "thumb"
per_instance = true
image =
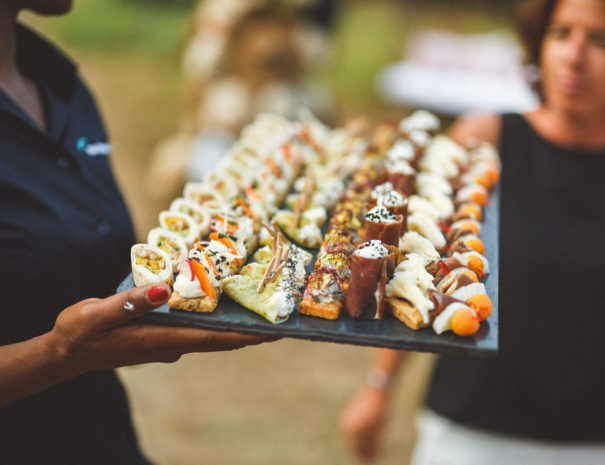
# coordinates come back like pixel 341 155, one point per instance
pixel 125 306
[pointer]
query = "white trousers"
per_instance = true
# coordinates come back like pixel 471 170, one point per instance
pixel 443 442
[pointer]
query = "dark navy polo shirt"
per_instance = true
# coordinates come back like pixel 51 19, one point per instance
pixel 65 235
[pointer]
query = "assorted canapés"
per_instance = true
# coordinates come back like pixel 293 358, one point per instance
pixel 404 215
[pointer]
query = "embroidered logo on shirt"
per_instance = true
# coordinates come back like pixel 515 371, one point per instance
pixel 93 149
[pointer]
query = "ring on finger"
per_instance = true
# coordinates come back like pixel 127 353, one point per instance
pixel 129 306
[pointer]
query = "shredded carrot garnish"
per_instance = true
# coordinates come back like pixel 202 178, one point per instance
pixel 199 246
pixel 202 276
pixel 227 242
pixel 246 208
pixel 229 228
pixel 211 263
pixel 306 137
pixel 273 167
pixel 287 152
pixel 253 193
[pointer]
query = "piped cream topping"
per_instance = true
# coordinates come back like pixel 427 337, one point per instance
pixel 380 214
pixel 372 249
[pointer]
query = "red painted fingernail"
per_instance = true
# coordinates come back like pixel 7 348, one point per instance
pixel 158 293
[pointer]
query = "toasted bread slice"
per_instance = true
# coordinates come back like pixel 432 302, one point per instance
pixel 199 304
pixel 327 310
pixel 405 312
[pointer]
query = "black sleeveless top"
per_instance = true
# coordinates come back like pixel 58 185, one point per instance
pixel 548 381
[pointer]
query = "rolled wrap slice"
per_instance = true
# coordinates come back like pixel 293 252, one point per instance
pixel 200 214
pixel 150 265
pixel 184 225
pixel 370 267
pixel 382 225
pixel 171 243
pixel 203 194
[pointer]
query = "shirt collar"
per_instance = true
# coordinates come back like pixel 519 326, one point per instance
pixel 40 60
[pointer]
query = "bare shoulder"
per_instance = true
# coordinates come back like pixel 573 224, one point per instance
pixel 485 127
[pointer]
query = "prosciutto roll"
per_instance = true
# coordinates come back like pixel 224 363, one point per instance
pixel 401 175
pixel 371 265
pixel 150 265
pixel 455 315
pixel 382 225
pixel 379 191
pixel 397 204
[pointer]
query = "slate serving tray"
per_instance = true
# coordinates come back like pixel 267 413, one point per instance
pixel 390 332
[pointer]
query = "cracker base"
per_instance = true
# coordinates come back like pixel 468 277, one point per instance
pixel 406 313
pixel 199 304
pixel 328 311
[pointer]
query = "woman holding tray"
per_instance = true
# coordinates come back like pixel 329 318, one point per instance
pixel 65 236
pixel 541 399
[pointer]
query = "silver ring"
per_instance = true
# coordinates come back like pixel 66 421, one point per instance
pixel 129 306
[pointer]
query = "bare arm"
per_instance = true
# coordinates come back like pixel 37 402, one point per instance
pixel 363 419
pixel 100 334
pixel 484 127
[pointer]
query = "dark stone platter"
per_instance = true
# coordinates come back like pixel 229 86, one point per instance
pixel 390 332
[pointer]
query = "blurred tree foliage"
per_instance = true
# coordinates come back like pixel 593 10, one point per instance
pixel 366 35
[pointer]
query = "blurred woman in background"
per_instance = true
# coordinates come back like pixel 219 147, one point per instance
pixel 540 400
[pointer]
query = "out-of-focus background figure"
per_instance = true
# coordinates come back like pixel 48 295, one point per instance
pixel 242 57
pixel 452 73
pixel 507 409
